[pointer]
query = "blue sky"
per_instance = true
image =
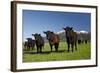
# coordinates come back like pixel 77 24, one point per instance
pixel 39 21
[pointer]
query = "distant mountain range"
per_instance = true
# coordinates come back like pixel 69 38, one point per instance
pixel 82 35
pixel 78 32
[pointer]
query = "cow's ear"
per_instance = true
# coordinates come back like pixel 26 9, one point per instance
pixel 27 38
pixel 32 34
pixel 71 28
pixel 64 28
pixel 39 34
pixel 51 31
pixel 44 32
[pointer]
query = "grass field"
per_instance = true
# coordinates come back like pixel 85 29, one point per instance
pixel 83 52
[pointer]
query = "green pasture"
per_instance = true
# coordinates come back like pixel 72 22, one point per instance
pixel 83 52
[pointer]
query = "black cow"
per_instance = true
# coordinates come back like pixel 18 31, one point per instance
pixel 79 41
pixel 29 44
pixel 39 42
pixel 86 41
pixel 71 38
pixel 53 39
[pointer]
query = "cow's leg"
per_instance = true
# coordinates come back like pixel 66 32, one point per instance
pixel 51 47
pixel 40 49
pixel 75 46
pixel 27 48
pixel 72 46
pixel 68 47
pixel 37 49
pixel 32 47
pixel 56 46
pixel 43 46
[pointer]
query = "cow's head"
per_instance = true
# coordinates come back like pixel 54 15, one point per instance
pixel 29 39
pixel 36 36
pixel 48 34
pixel 68 28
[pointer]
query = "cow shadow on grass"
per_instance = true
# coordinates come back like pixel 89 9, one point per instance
pixel 60 51
pixel 43 52
pixel 29 52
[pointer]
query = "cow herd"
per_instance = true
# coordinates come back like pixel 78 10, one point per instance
pixel 53 39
